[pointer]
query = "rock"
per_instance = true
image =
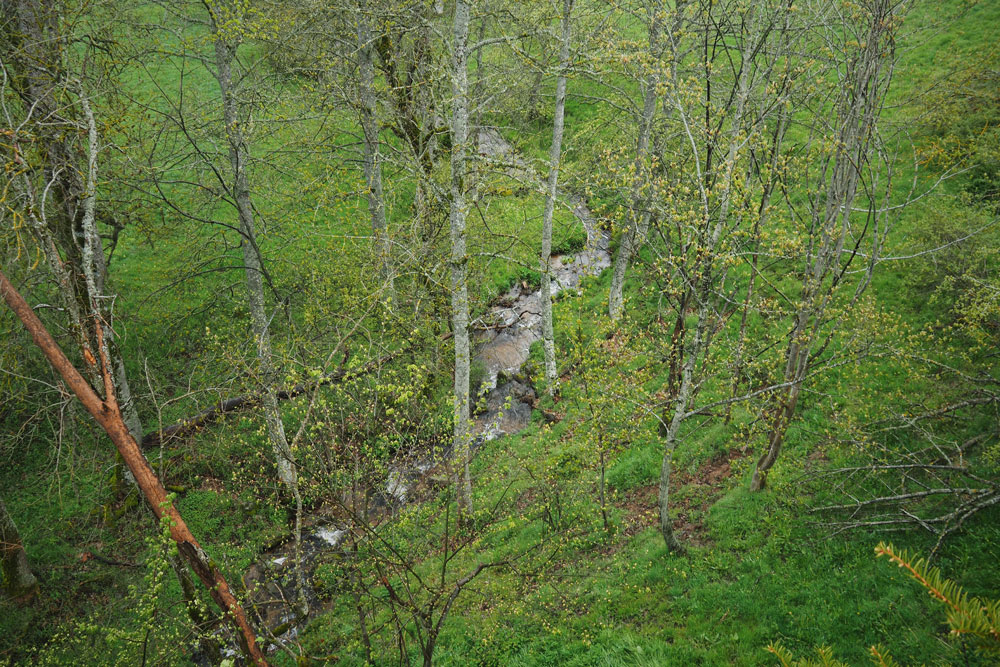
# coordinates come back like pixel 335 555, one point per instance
pixel 513 390
pixel 502 352
pixel 516 418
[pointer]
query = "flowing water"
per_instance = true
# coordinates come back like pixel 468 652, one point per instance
pixel 503 340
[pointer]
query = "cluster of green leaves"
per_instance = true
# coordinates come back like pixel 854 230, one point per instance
pixel 153 632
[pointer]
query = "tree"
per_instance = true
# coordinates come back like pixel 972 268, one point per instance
pixel 459 257
pixel 226 23
pixel 548 337
pixel 223 18
pixel 55 141
pixel 866 71
pixel 930 462
pixel 707 233
pixel 392 574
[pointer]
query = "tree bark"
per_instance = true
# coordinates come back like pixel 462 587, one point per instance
pixel 459 258
pixel 107 413
pixel 18 580
pixel 639 213
pixel 254 271
pixel 372 166
pixel 548 336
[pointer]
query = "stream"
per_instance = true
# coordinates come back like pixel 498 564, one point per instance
pixel 502 338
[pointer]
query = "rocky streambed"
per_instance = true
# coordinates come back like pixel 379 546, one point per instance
pixel 503 340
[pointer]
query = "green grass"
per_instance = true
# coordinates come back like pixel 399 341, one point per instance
pixel 759 568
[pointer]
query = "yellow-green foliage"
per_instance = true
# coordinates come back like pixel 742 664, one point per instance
pixel 974 617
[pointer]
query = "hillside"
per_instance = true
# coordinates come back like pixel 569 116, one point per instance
pixel 296 282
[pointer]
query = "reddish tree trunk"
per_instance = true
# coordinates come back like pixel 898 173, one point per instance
pixel 108 414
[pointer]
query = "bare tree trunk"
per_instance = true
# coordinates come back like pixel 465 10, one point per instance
pixel 18 580
pixel 372 166
pixel 639 213
pixel 702 291
pixel 68 235
pixel 867 76
pixel 548 336
pixel 459 258
pixel 254 271
pixel 107 413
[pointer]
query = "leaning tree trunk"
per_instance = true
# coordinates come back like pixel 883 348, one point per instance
pixel 107 413
pixel 548 336
pixel 459 258
pixel 18 580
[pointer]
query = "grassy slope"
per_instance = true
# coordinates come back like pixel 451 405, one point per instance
pixel 759 569
pixel 757 572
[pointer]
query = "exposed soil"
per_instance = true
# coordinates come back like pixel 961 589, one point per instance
pixel 694 492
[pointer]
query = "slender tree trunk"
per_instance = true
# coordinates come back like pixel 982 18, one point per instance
pixel 459 258
pixel 548 336
pixel 252 265
pixel 639 213
pixel 702 294
pixel 18 580
pixel 372 166
pixel 867 77
pixel 254 272
pixel 107 413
